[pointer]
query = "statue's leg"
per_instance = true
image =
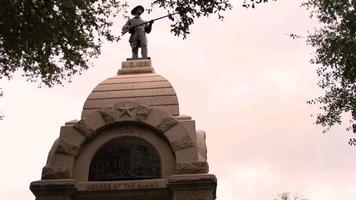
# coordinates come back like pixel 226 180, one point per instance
pixel 134 50
pixel 144 50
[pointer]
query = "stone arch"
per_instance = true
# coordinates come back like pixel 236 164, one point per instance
pixel 125 158
pixel 82 162
pixel 62 157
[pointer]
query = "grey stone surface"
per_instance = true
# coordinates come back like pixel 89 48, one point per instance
pixel 56 173
pixel 149 89
pixel 193 186
pixel 137 105
pixel 198 167
pixel 81 169
pixel 201 145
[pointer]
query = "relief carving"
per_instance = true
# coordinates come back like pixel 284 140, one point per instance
pixel 125 158
pixel 82 127
pixel 67 148
pixel 142 112
pixel 108 115
pixel 126 111
pixel 182 143
pixel 166 124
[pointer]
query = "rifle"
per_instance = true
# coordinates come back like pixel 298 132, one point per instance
pixel 169 16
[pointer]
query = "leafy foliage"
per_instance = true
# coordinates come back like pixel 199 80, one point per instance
pixel 253 3
pixel 53 40
pixel 335 44
pixel 287 196
pixel 188 10
pixel 1 94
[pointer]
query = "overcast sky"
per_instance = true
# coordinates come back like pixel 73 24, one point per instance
pixel 243 80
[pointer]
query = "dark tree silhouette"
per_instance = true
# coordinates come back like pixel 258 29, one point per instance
pixel 335 55
pixel 50 41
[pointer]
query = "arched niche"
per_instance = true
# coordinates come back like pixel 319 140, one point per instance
pixel 125 158
pixel 124 133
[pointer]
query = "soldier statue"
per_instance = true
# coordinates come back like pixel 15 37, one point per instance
pixel 138 29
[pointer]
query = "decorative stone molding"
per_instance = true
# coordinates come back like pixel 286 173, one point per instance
pixel 179 138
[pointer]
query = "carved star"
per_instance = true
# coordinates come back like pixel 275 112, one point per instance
pixel 127 110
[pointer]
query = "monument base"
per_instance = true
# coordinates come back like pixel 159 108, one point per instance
pixel 176 187
pixel 136 66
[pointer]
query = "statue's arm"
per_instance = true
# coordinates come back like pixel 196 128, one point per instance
pixel 148 26
pixel 126 27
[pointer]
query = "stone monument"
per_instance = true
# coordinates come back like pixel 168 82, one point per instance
pixel 131 143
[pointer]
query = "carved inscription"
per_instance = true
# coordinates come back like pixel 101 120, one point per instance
pixel 125 158
pixel 122 185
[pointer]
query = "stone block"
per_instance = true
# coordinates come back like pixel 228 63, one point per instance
pixel 56 173
pixel 71 136
pixel 84 128
pixel 132 93
pixel 65 147
pixel 190 126
pixel 159 119
pixel 192 167
pixel 187 155
pixel 53 189
pixel 60 160
pixel 136 63
pixel 135 70
pixel 193 186
pixel 193 195
pixel 201 145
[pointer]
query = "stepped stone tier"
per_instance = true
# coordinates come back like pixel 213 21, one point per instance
pixel 130 144
pixel 134 82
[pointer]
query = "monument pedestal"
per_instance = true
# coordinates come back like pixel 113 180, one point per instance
pixel 130 144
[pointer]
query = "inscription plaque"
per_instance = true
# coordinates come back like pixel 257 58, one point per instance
pixel 125 158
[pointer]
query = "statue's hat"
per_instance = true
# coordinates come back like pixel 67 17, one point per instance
pixel 137 8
